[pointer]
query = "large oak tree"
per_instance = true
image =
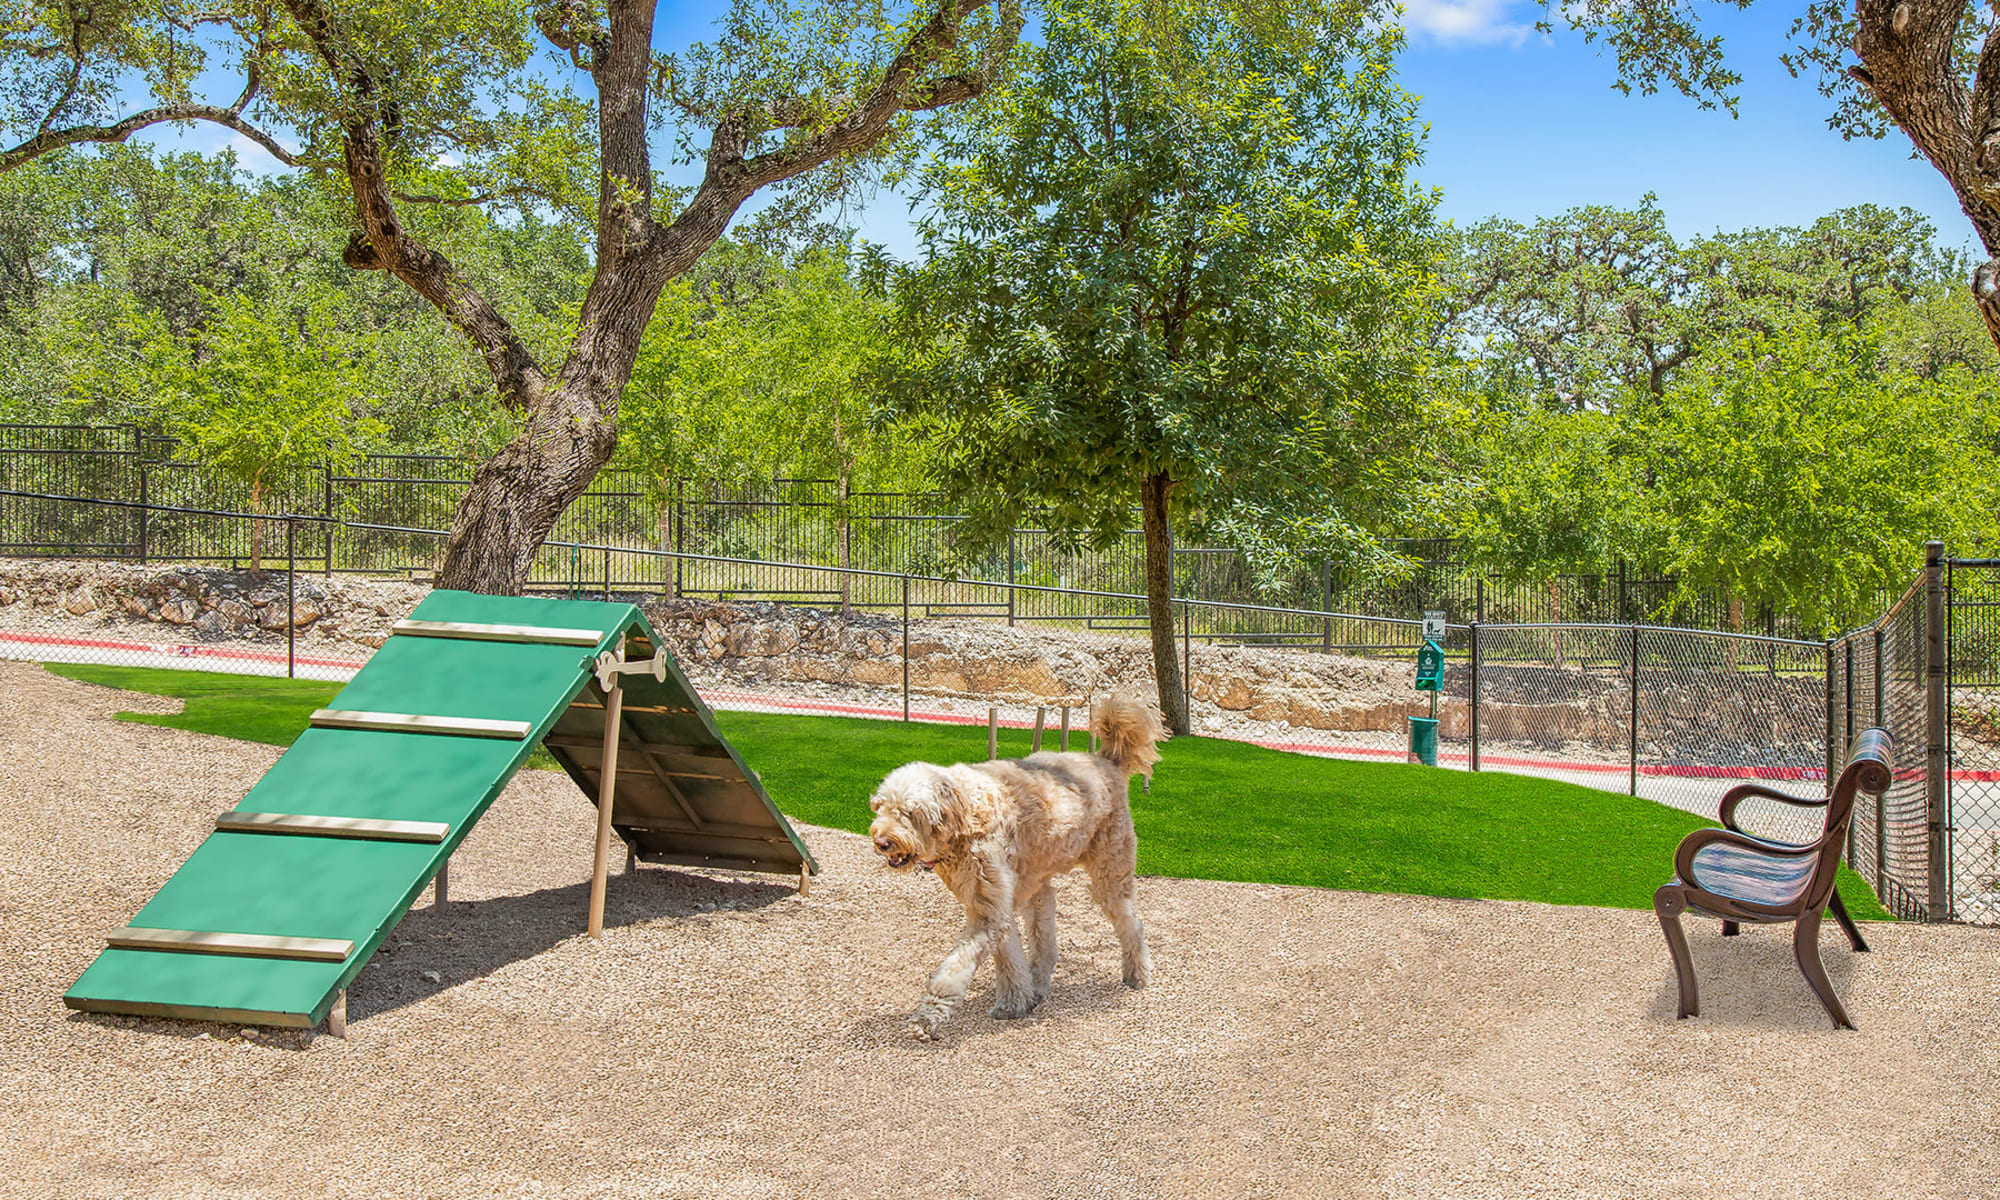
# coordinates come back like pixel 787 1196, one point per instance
pixel 409 105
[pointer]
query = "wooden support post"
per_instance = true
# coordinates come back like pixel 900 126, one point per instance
pixel 1041 718
pixel 607 791
pixel 443 883
pixel 992 734
pixel 1063 741
pixel 336 1017
pixel 805 879
pixel 631 859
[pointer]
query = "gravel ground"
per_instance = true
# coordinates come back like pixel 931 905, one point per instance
pixel 728 1037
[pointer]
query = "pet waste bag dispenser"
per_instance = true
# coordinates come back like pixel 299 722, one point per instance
pixel 1430 677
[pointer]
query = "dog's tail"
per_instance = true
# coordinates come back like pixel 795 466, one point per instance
pixel 1127 732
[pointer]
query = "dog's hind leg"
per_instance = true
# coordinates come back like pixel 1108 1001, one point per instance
pixel 1041 915
pixel 1113 887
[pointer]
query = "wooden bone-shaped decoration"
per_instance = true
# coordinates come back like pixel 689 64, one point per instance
pixel 609 667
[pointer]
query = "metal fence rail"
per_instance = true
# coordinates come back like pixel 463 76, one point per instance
pixel 780 521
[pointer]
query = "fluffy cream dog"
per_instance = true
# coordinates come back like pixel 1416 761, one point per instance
pixel 999 833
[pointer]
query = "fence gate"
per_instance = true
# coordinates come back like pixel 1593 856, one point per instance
pixel 1972 714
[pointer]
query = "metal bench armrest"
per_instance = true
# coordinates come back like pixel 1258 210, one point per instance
pixel 1744 791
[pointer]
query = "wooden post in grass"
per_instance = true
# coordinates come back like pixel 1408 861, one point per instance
pixel 607 787
pixel 992 734
pixel 1063 742
pixel 1041 717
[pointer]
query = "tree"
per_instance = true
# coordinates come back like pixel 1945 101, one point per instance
pixel 1800 470
pixel 1930 68
pixel 768 381
pixel 271 397
pixel 415 106
pixel 1183 270
pixel 1601 306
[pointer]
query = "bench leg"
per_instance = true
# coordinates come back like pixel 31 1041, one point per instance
pixel 1668 905
pixel 1854 938
pixel 1731 929
pixel 1805 948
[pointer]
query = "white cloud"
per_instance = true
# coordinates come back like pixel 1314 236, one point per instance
pixel 1479 22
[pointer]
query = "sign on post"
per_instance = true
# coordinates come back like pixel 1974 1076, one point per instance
pixel 1433 625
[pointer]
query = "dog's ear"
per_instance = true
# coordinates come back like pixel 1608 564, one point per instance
pixel 964 802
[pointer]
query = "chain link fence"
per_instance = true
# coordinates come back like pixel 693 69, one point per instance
pixel 1665 714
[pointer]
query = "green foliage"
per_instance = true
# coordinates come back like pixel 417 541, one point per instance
pixel 1805 471
pixel 1597 306
pixel 1193 252
pixel 1557 494
pixel 751 370
pixel 273 391
pixel 1217 810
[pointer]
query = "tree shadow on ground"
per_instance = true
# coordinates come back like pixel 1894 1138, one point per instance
pixel 435 949
pixel 1752 983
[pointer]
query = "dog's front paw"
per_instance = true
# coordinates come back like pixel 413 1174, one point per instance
pixel 1139 973
pixel 922 1030
pixel 927 1020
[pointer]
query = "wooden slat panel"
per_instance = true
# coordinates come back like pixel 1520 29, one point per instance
pixel 341 827
pixel 256 945
pixel 471 631
pixel 337 718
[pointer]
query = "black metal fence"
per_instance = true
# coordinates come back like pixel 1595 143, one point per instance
pixel 773 521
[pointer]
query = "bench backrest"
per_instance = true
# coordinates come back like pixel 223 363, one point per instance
pixel 1870 769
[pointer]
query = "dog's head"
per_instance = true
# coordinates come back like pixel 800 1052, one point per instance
pixel 918 816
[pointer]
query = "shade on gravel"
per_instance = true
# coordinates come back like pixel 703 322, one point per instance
pixel 727 1037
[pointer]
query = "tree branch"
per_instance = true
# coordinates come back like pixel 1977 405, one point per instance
pixel 50 140
pixel 382 244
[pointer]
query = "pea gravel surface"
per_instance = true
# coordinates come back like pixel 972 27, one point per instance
pixel 730 1038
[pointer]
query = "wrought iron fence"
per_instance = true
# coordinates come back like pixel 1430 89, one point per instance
pixel 778 521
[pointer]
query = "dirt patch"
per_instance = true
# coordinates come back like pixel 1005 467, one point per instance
pixel 729 1038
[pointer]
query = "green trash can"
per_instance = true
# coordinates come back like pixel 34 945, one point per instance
pixel 1424 740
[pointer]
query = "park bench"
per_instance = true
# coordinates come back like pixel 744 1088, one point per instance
pixel 1739 877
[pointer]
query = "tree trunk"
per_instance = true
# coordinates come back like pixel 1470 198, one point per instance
pixel 517 496
pixel 1160 600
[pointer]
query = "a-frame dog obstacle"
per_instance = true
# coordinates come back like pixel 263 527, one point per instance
pixel 277 911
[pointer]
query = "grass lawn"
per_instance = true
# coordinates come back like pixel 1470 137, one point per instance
pixel 1218 810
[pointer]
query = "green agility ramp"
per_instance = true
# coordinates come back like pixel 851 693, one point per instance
pixel 275 913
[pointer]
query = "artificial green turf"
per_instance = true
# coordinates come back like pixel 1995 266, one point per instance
pixel 1217 809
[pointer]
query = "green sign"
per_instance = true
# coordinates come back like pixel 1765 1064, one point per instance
pixel 1430 667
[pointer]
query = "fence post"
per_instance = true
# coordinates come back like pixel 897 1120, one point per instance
pixel 607 574
pixel 677 519
pixel 1479 599
pixel 1881 798
pixel 1634 782
pixel 1010 575
pixel 1623 609
pixel 291 597
pixel 906 647
pixel 1847 743
pixel 1187 662
pixel 1473 689
pixel 1831 768
pixel 145 509
pixel 326 510
pixel 1326 605
pixel 1937 781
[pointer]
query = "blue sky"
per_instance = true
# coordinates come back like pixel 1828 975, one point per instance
pixel 1525 125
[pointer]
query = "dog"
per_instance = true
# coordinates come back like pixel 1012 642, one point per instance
pixel 999 833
